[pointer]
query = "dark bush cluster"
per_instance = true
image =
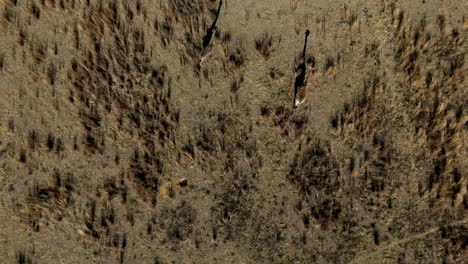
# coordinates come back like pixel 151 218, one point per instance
pixel 314 171
pixel 263 45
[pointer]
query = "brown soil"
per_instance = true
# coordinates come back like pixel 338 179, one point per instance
pixel 116 146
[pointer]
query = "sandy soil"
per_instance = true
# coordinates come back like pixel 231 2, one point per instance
pixel 116 146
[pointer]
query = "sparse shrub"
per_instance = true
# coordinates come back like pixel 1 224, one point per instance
pixel 22 257
pixel 75 143
pixel 315 172
pixel 111 188
pixel 52 73
pixel 306 220
pixel 23 36
pixel 39 50
pixel 36 10
pixel 465 201
pixel 263 45
pixel 76 32
pixel 206 140
pixel 149 228
pixel 59 146
pixel 9 14
pixel 236 83
pixel 275 73
pixel 178 223
pixel 138 6
pixel 22 155
pixel 59 193
pixel 33 137
pixel 145 177
pixel 281 117
pixel 375 233
pixel 329 64
pixel 299 122
pixel 2 61
pixel 157 260
pixel 225 37
pixel 214 232
pixel 441 22
pixel 167 31
pixel 50 141
pixel 400 19
pixel 265 110
pixel 335 121
pixel 352 18
pixel 232 210
pixel 107 216
pixel 131 218
pixel 236 57
pixel 89 218
pixel 171 192
pixel 11 124
pixel 189 148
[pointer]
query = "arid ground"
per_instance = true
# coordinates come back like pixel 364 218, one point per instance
pixel 117 146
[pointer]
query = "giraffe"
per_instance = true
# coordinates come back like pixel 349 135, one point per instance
pixel 300 82
pixel 206 47
pixel 302 91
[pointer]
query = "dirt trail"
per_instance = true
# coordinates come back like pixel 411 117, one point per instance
pixel 380 250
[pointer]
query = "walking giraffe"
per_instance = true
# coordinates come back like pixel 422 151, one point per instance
pixel 303 75
pixel 206 43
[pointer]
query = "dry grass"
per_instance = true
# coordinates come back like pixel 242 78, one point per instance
pixel 263 45
pixel 105 142
pixel 436 95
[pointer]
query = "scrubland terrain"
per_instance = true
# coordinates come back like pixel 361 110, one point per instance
pixel 116 146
